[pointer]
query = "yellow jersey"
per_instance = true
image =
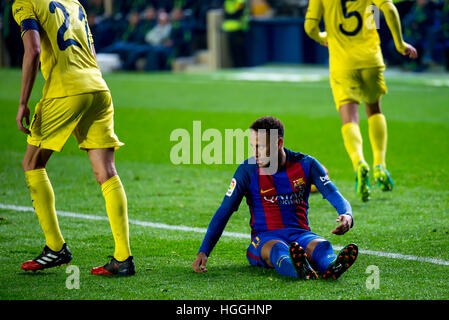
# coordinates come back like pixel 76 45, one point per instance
pixel 68 62
pixel 352 37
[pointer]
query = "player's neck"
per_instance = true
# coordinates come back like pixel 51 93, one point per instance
pixel 282 160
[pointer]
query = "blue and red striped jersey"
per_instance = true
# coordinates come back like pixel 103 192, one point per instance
pixel 275 201
pixel 281 200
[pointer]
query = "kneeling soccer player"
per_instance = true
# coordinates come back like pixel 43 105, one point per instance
pixel 278 203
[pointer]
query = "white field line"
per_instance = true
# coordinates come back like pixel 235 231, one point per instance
pixel 228 234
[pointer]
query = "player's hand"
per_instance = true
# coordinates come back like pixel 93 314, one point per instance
pixel 344 226
pixel 410 51
pixel 323 37
pixel 199 265
pixel 23 113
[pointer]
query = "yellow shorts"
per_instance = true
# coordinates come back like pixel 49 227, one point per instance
pixel 89 117
pixel 354 85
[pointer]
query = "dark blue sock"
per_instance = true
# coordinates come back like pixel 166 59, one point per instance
pixel 280 259
pixel 323 255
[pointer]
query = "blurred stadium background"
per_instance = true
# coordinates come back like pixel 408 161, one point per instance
pixel 180 35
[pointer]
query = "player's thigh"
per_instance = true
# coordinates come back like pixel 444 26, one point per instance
pixel 307 240
pixel 54 120
pixel 258 252
pixel 96 128
pixel 373 84
pixel 253 254
pixel 345 86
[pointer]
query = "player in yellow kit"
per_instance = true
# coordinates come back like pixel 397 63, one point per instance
pixel 356 73
pixel 76 101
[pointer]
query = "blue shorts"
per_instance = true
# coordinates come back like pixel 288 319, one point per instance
pixel 288 235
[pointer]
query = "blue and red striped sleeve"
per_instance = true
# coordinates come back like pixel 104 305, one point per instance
pixel 321 180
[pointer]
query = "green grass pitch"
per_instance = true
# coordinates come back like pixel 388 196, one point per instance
pixel 412 220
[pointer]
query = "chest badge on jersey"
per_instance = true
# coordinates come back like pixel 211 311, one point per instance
pixel 299 184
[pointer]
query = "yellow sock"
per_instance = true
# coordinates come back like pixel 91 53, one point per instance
pixel 377 127
pixel 43 199
pixel 117 209
pixel 352 139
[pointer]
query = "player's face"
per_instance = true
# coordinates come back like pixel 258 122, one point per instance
pixel 260 143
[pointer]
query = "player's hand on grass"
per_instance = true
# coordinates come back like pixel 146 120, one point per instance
pixel 23 113
pixel 199 265
pixel 344 226
pixel 410 51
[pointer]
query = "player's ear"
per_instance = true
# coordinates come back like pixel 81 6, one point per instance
pixel 280 143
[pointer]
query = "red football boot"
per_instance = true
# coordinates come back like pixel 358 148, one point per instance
pixel 114 267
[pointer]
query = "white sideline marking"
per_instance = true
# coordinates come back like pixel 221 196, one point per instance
pixel 228 234
pixel 272 77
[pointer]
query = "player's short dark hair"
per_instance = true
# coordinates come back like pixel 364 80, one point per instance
pixel 268 123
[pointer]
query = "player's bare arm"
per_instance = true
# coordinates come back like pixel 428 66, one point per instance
pixel 394 24
pixel 217 225
pixel 30 67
